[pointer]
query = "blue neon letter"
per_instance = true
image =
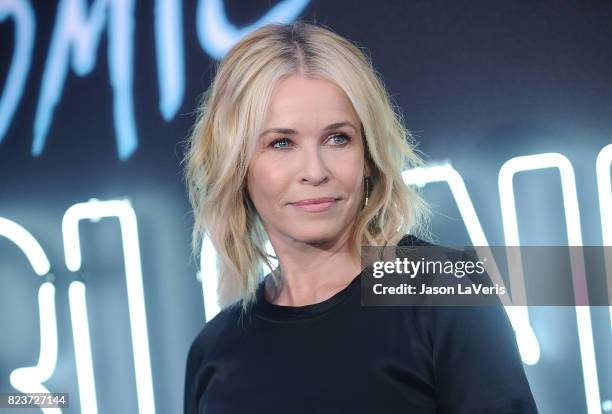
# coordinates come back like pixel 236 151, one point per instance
pixel 76 35
pixel 217 35
pixel 21 11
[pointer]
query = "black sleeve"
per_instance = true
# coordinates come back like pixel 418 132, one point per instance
pixel 204 343
pixel 477 365
pixel 194 358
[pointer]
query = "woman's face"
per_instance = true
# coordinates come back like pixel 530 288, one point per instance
pixel 311 148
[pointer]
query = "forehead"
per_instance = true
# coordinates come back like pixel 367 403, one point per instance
pixel 296 98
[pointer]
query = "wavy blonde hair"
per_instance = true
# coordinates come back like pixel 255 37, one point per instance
pixel 230 118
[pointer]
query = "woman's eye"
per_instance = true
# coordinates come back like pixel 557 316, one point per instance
pixel 276 141
pixel 344 137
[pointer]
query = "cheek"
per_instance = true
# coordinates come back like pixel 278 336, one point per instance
pixel 266 185
pixel 352 172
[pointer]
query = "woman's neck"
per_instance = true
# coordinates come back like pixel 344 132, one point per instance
pixel 314 283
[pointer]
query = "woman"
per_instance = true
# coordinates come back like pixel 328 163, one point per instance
pixel 297 141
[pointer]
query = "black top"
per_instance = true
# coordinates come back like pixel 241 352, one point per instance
pixel 337 356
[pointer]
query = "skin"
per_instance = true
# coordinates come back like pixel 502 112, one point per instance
pixel 312 247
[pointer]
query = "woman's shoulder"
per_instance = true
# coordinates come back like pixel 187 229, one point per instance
pixel 412 240
pixel 211 338
pixel 227 320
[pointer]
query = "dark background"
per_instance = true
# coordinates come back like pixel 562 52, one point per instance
pixel 478 83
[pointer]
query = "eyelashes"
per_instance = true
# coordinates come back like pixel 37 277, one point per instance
pixel 345 137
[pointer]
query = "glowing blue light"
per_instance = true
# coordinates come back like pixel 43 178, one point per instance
pixel 170 56
pixel 95 210
pixel 22 13
pixel 27 244
pixel 30 379
pixel 574 234
pixel 217 35
pixel 82 347
pixel 518 315
pixel 209 277
pixel 604 187
pixel 76 35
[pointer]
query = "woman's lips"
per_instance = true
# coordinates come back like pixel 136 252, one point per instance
pixel 315 207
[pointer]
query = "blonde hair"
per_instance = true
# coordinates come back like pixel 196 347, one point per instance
pixel 229 119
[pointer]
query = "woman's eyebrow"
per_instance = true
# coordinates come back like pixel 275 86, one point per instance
pixel 289 131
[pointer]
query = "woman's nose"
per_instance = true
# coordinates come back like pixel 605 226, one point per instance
pixel 314 166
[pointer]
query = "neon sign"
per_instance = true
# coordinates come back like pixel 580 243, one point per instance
pixel 95 210
pixel 74 43
pixel 31 379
